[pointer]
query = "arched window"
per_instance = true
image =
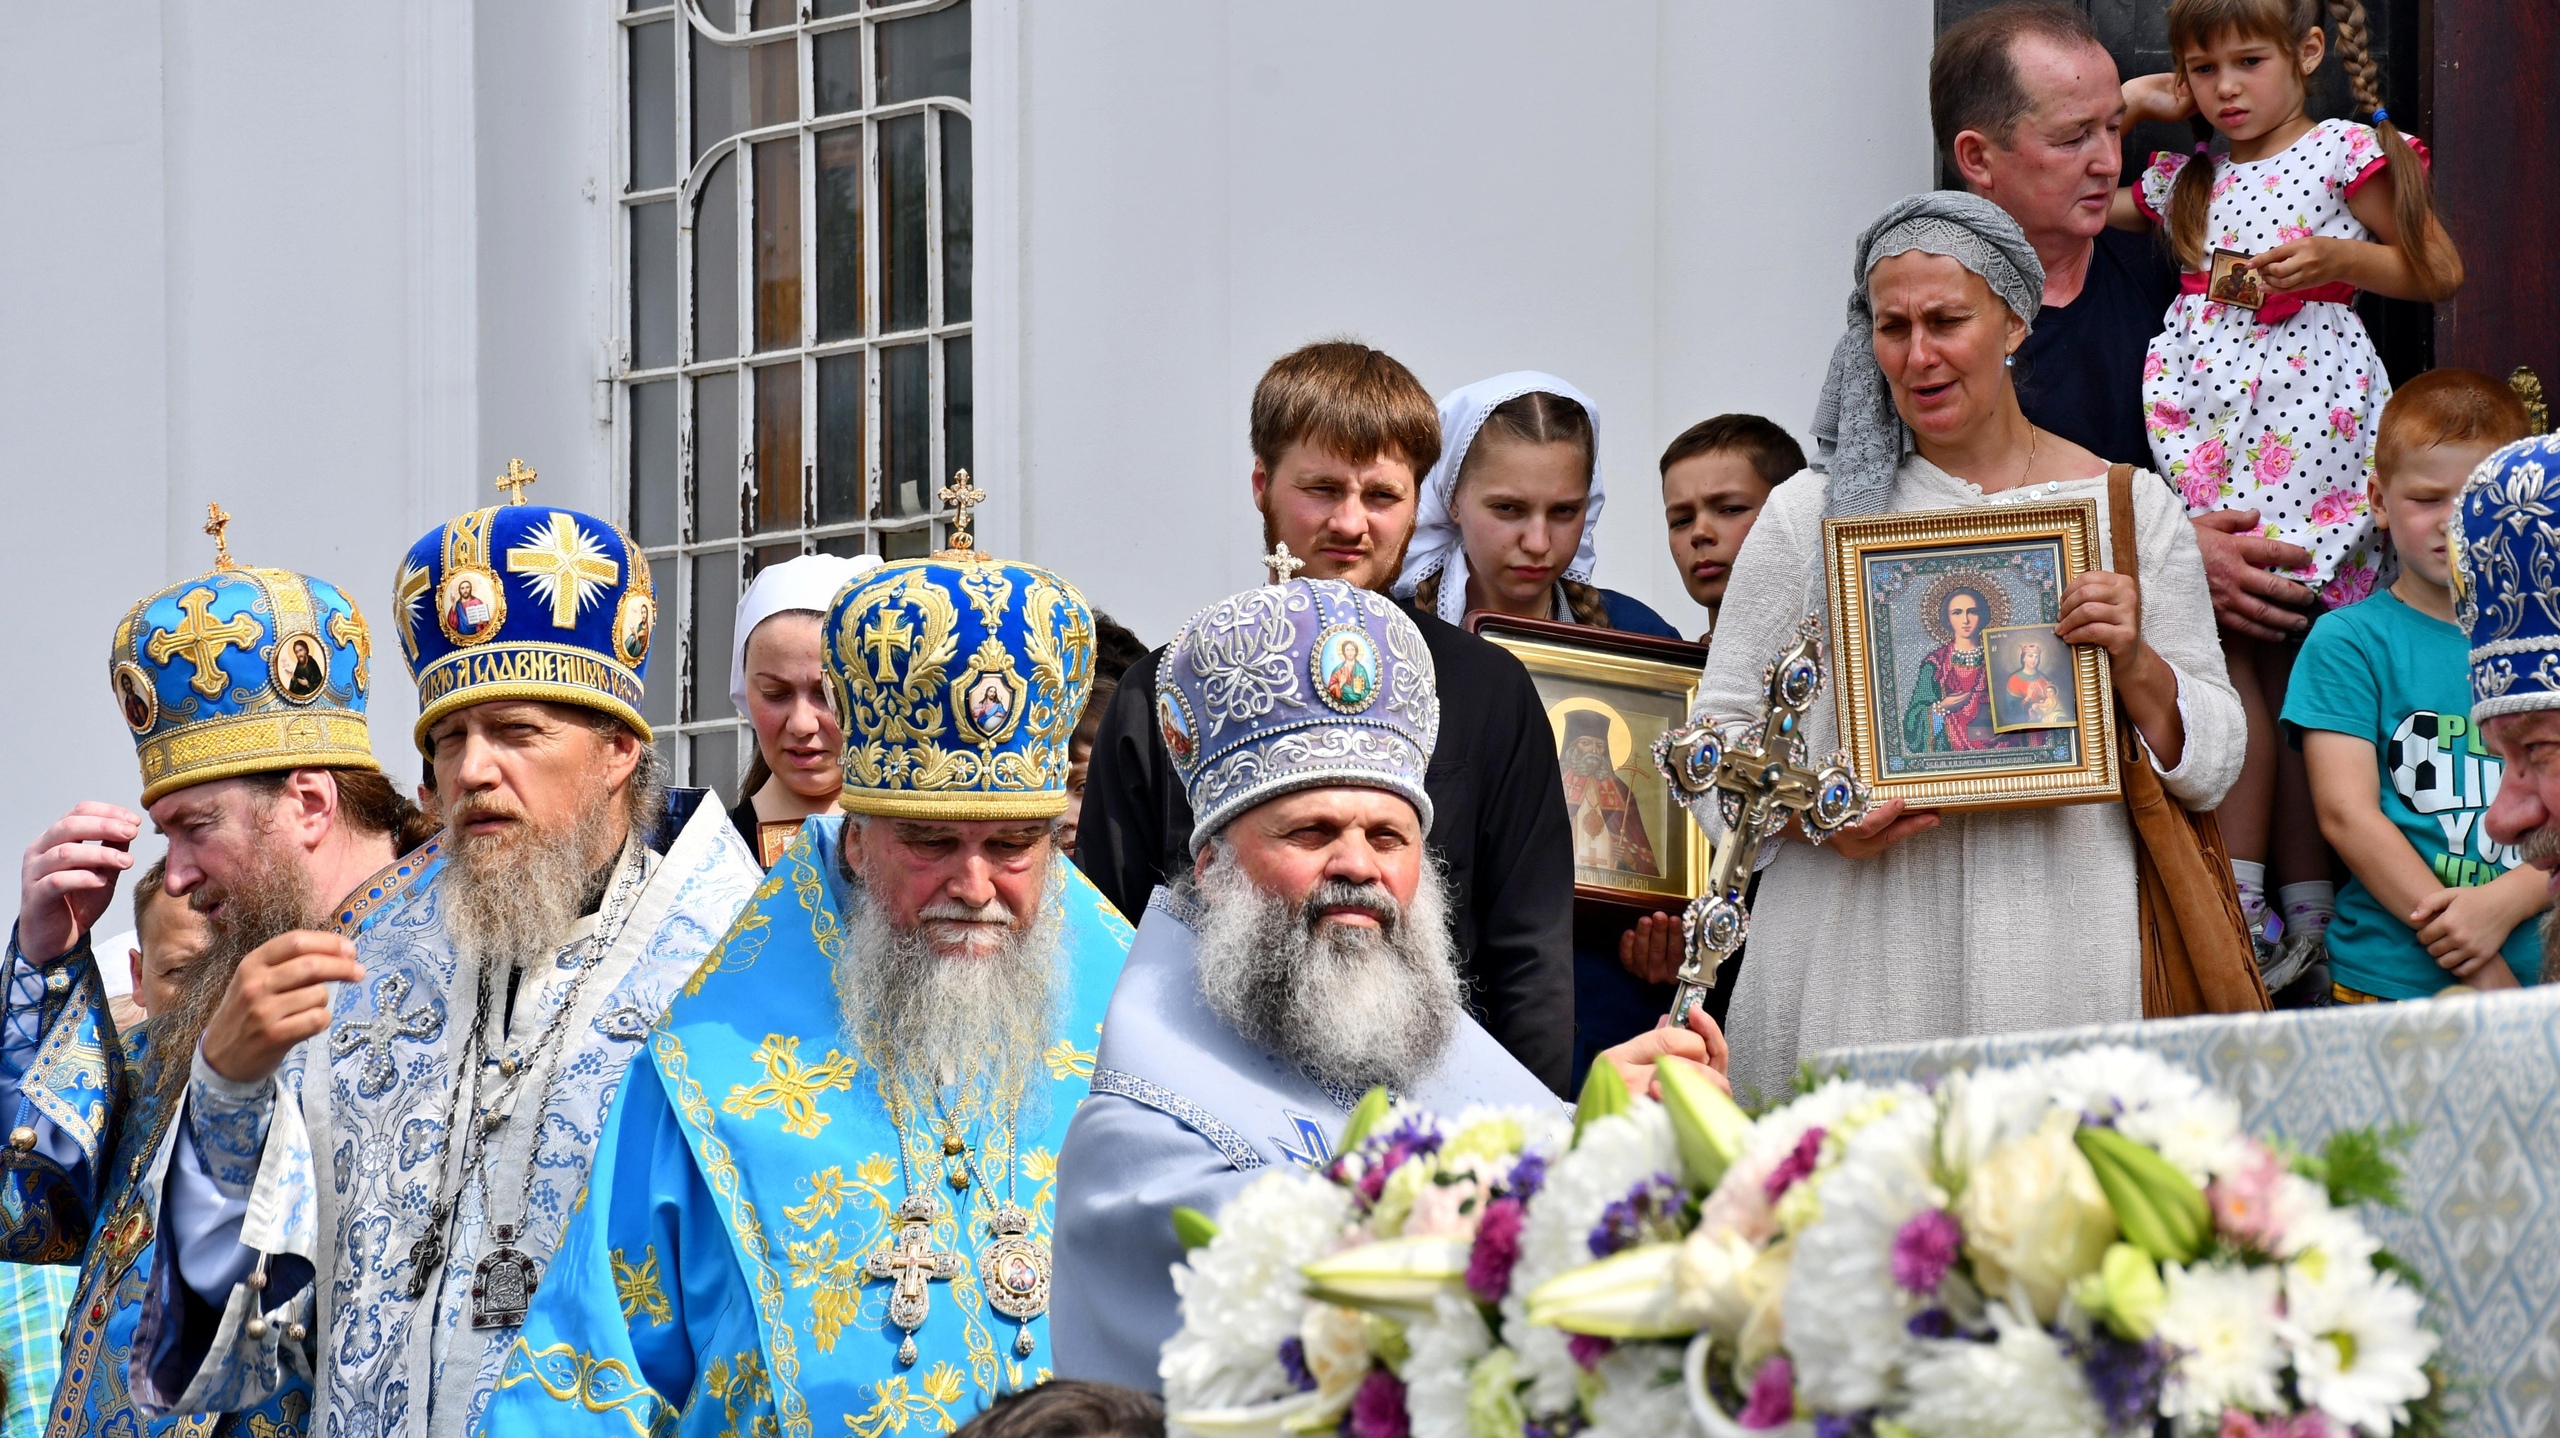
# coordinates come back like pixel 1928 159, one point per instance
pixel 795 366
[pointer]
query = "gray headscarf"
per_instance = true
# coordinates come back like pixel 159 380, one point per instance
pixel 1859 439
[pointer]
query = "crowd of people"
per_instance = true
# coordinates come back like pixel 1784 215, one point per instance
pixel 560 1100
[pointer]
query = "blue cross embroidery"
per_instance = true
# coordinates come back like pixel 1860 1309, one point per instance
pixel 1313 1150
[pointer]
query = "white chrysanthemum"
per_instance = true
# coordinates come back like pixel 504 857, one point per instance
pixel 1242 1294
pixel 1614 1155
pixel 1740 1204
pixel 1985 1109
pixel 2021 1386
pixel 2194 1131
pixel 2322 1242
pixel 2224 1322
pixel 1639 1394
pixel 1843 1268
pixel 1445 1347
pixel 2358 1350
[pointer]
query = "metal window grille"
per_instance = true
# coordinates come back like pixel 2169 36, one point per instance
pixel 794 350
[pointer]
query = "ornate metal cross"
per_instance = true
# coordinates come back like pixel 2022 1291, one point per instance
pixel 202 638
pixel 1759 779
pixel 962 496
pixel 1283 565
pixel 518 475
pixel 217 522
pixel 914 1262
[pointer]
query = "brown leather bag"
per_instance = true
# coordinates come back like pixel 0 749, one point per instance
pixel 2196 954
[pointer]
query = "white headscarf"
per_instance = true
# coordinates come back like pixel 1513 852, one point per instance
pixel 810 582
pixel 1437 547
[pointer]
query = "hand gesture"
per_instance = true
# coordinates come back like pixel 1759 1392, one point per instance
pixel 2158 97
pixel 1651 950
pixel 2464 929
pixel 2301 264
pixel 2249 598
pixel 2100 608
pixel 1701 1046
pixel 69 877
pixel 278 997
pixel 1885 826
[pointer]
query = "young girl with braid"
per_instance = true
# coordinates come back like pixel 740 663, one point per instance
pixel 2274 408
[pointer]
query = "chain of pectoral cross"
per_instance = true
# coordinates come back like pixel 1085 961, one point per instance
pixel 909 1257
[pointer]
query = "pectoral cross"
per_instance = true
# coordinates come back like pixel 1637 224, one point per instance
pixel 1758 780
pixel 1283 565
pixel 962 496
pixel 518 475
pixel 914 1262
pixel 217 522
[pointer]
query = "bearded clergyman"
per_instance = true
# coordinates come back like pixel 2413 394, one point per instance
pixel 283 834
pixel 381 1142
pixel 1305 958
pixel 835 1217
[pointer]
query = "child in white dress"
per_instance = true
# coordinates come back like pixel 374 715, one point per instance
pixel 2262 391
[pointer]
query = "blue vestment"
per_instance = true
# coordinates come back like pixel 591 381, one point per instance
pixel 721 1276
pixel 1185 1112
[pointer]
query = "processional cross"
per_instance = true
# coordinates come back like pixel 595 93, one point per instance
pixel 518 475
pixel 1283 565
pixel 914 1262
pixel 1759 779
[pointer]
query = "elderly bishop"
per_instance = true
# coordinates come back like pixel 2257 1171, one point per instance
pixel 824 1204
pixel 382 1140
pixel 1305 957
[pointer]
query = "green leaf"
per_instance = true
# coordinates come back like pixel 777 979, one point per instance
pixel 1192 1228
pixel 2357 1165
pixel 1372 1107
pixel 1603 1094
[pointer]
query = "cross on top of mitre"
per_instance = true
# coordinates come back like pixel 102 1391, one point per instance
pixel 1283 565
pixel 217 522
pixel 518 475
pixel 962 496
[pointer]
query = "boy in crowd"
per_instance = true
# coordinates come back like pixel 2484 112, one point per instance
pixel 1715 478
pixel 2381 700
pixel 168 936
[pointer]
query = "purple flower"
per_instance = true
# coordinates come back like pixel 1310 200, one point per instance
pixel 1795 1167
pixel 2124 1377
pixel 1528 1176
pixel 1844 1425
pixel 1496 1249
pixel 1377 1410
pixel 1925 1249
pixel 1293 1362
pixel 1644 1213
pixel 1773 1396
pixel 1931 1323
pixel 1587 1351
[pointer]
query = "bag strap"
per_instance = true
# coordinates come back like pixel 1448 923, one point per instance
pixel 2126 553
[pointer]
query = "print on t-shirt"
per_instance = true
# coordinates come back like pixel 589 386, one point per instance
pixel 2440 770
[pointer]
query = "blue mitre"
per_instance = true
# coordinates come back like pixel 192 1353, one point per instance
pixel 2505 536
pixel 959 679
pixel 526 601
pixel 1297 685
pixel 242 670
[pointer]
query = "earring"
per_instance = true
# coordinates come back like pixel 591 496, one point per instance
pixel 2009 361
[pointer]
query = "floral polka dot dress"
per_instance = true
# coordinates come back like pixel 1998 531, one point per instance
pixel 2274 410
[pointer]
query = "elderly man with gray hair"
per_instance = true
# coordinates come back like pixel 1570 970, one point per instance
pixel 2028 113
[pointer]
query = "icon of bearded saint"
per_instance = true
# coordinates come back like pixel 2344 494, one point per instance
pixel 1608 833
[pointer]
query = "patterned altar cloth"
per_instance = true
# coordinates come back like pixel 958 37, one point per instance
pixel 2479 1076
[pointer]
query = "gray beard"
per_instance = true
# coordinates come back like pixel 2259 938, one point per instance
pixel 273 898
pixel 509 899
pixel 1352 1007
pixel 930 1020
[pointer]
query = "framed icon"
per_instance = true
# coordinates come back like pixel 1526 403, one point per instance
pixel 1953 691
pixel 2235 281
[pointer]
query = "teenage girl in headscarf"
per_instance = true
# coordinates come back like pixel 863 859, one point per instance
pixel 1509 523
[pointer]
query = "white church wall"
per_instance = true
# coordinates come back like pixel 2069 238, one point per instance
pixel 1655 201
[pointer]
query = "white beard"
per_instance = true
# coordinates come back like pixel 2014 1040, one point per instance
pixel 933 1020
pixel 1351 1006
pixel 508 903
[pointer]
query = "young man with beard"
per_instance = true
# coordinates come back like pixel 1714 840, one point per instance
pixel 2503 535
pixel 895 1149
pixel 279 822
pixel 1304 958
pixel 1341 433
pixel 382 1141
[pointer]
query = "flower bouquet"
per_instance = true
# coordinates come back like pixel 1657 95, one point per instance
pixel 2081 1245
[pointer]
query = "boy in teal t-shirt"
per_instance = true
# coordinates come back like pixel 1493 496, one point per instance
pixel 2381 697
